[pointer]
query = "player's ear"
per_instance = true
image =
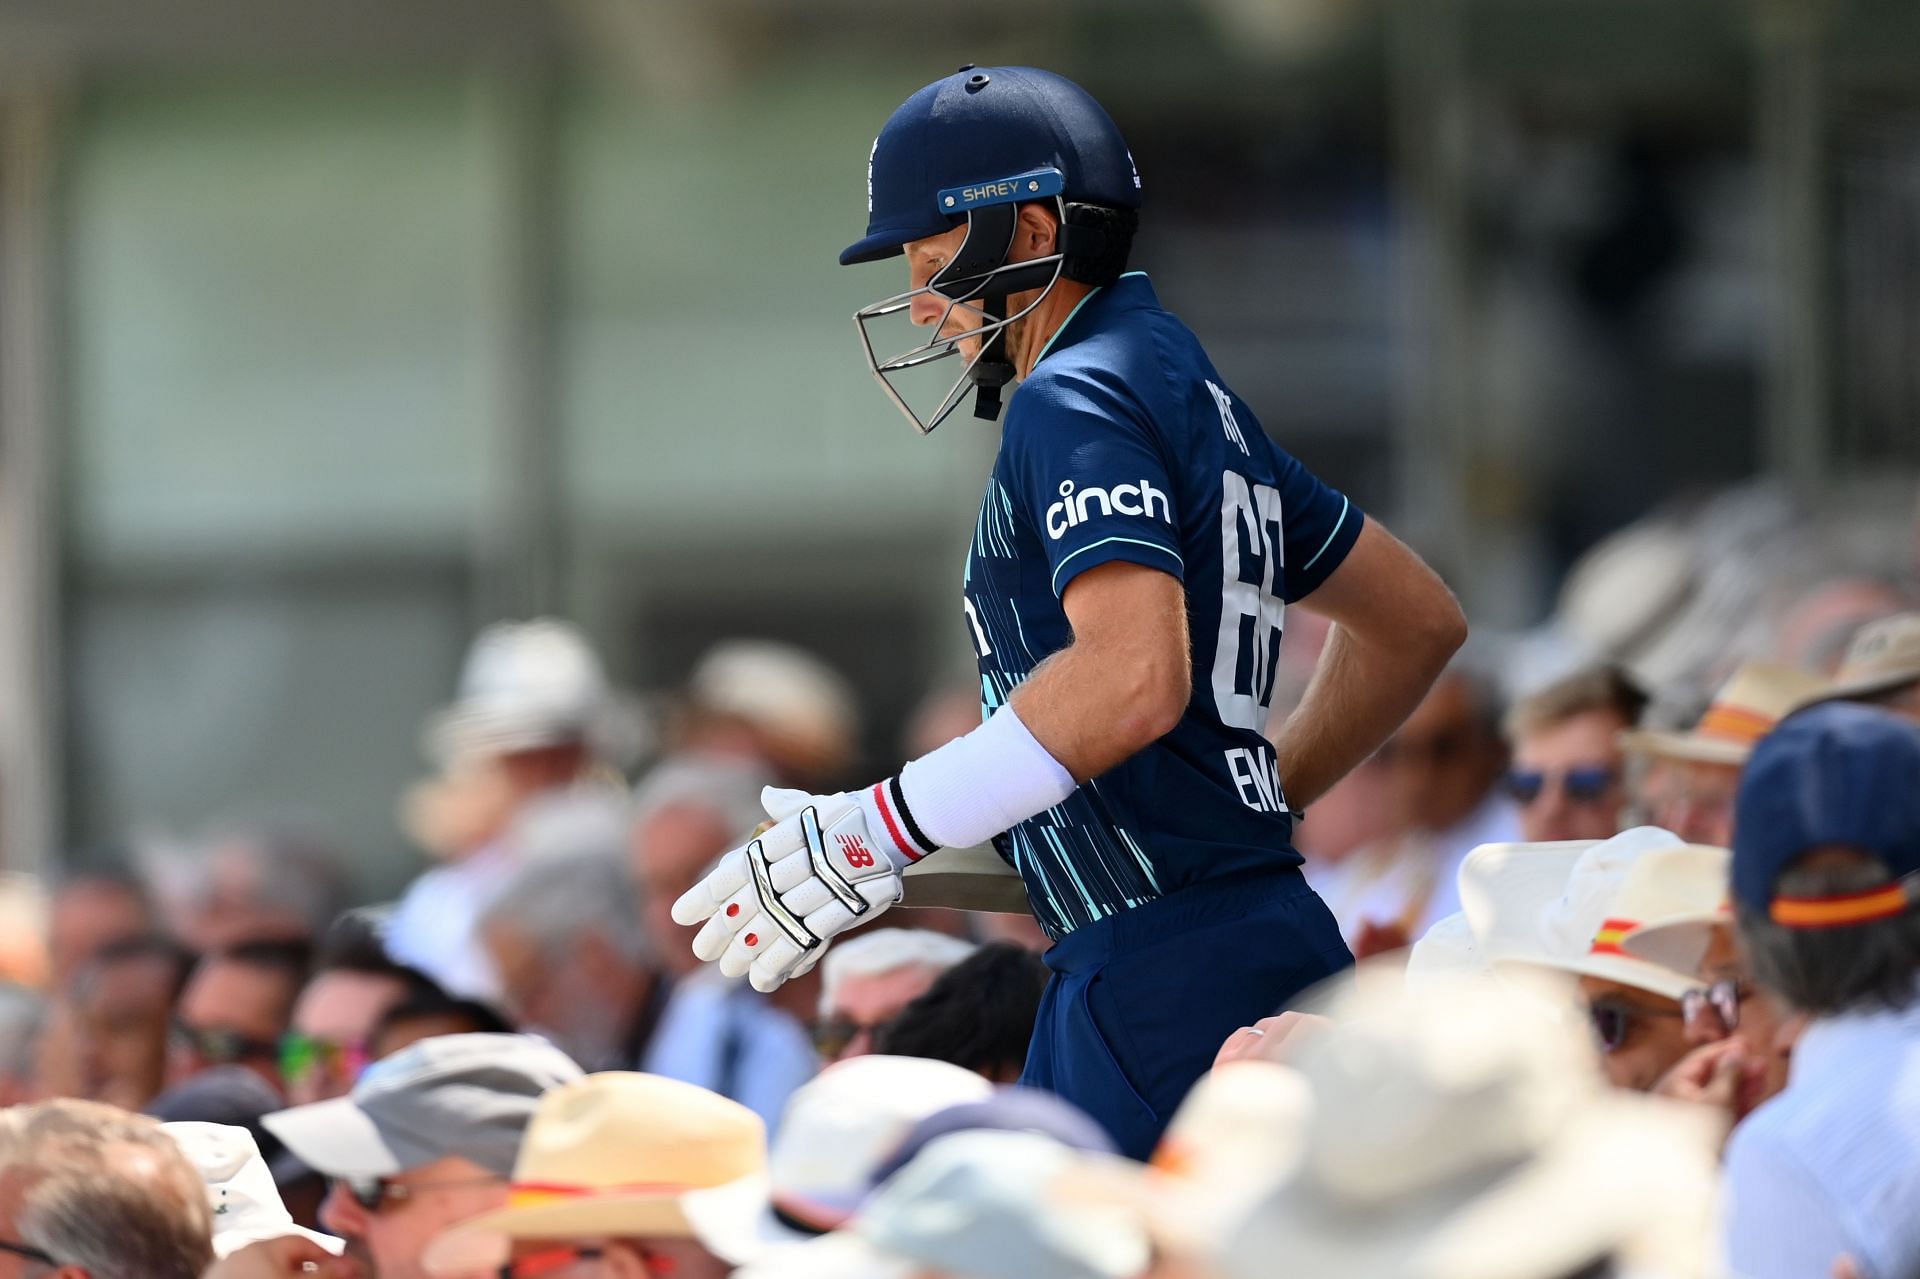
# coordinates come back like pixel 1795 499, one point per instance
pixel 1038 231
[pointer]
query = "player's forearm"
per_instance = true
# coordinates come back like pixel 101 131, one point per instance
pixel 1094 709
pixel 1360 693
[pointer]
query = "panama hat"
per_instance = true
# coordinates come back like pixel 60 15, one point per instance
pixel 1466 1133
pixel 1448 947
pixel 1754 698
pixel 1679 941
pixel 1883 656
pixel 837 1129
pixel 616 1155
pixel 1568 906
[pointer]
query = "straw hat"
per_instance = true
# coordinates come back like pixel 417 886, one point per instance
pixel 1748 705
pixel 617 1155
pixel 1465 1133
pixel 1568 906
pixel 1680 941
pixel 1883 656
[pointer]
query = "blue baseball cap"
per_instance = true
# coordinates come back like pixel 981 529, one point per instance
pixel 1011 1109
pixel 987 135
pixel 1834 774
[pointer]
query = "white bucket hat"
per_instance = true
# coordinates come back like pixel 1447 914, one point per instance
pixel 838 1128
pixel 246 1205
pixel 1568 906
pixel 1465 1133
pixel 985 1204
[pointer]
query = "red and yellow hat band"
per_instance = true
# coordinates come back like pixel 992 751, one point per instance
pixel 1612 933
pixel 1735 724
pixel 532 1194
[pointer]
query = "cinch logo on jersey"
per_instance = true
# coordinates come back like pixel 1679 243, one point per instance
pixel 1077 507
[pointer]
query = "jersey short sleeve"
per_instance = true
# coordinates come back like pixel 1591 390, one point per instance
pixel 1090 473
pixel 1320 527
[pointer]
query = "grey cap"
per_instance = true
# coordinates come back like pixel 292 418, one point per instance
pixel 452 1095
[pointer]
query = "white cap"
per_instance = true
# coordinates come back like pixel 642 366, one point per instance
pixel 525 685
pixel 838 1128
pixel 983 1204
pixel 1449 948
pixel 1568 906
pixel 246 1205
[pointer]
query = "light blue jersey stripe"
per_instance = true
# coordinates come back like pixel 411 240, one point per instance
pixel 1136 541
pixel 1337 526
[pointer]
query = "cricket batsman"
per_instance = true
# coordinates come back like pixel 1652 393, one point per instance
pixel 1139 541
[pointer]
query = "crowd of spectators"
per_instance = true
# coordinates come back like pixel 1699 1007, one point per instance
pixel 1639 995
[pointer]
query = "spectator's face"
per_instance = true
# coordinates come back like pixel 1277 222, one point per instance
pixel 232 1013
pixel 1442 761
pixel 615 1259
pixel 672 848
pixel 1762 1026
pixel 1648 1031
pixel 87 916
pixel 1566 777
pixel 120 1027
pixel 1693 800
pixel 332 1022
pixel 417 1205
pixel 864 1004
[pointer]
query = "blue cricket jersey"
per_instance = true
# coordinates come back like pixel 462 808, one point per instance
pixel 1125 444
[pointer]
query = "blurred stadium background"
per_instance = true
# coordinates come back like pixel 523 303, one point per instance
pixel 329 331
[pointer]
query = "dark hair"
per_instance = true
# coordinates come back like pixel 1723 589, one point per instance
pixel 291 957
pixel 355 942
pixel 1828 971
pixel 435 1002
pixel 978 1014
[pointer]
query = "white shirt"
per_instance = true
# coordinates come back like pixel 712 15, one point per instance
pixel 1411 880
pixel 725 1037
pixel 1832 1165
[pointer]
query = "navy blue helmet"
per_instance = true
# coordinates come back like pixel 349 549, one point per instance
pixel 970 149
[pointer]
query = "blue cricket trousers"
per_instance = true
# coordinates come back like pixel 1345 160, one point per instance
pixel 1141 1001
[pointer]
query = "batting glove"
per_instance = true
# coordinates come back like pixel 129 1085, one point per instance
pixel 826 863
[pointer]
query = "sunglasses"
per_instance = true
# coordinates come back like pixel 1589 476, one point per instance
pixel 1579 785
pixel 302 1056
pixel 1614 1020
pixel 832 1035
pixel 1722 999
pixel 377 1194
pixel 218 1047
pixel 28 1251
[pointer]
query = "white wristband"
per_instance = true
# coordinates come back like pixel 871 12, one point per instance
pixel 992 779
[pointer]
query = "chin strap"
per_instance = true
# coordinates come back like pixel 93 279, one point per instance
pixel 993 370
